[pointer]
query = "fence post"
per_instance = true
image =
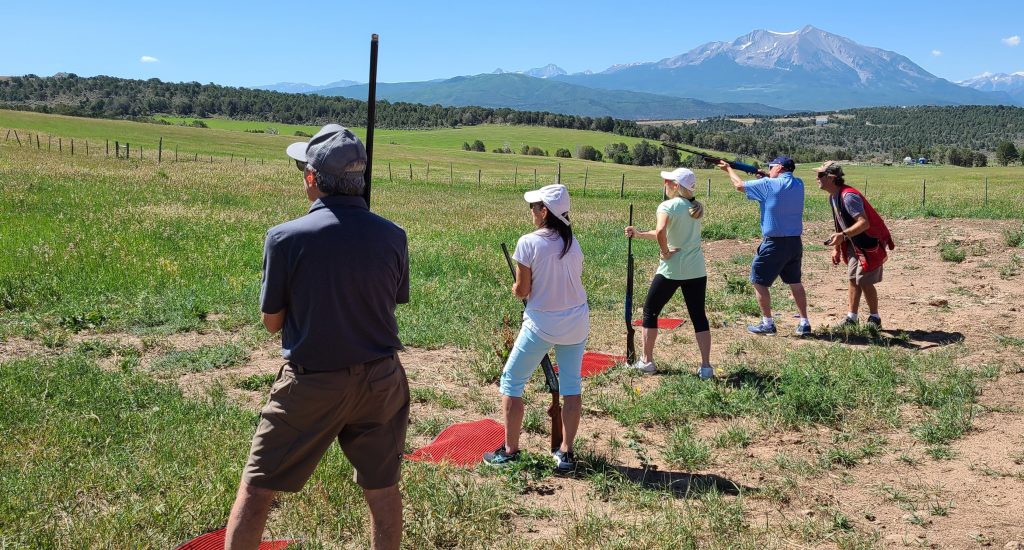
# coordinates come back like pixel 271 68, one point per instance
pixel 86 147
pixel 160 151
pixel 390 178
pixel 709 188
pixel 924 187
pixel 558 175
pixel 428 171
pixel 232 159
pixel 196 158
pixel 478 173
pixel 16 137
pixel 117 149
pixel 175 153
pixel 72 146
pixel 622 186
pixel 865 187
pixel 127 150
pixel 140 152
pixel 986 191
pixel 586 173
pixel 534 176
pixel 49 142
pixel 108 147
pixel 8 136
pixel 515 175
pixel 37 141
pixel 410 171
pixel 451 174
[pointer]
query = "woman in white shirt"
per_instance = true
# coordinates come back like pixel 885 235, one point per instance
pixel 549 266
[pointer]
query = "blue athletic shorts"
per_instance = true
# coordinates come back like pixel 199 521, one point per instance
pixel 525 357
pixel 777 257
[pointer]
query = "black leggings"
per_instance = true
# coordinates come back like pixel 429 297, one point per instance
pixel 693 294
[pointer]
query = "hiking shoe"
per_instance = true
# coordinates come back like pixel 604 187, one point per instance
pixel 803 329
pixel 761 328
pixel 707 373
pixel 848 322
pixel 875 320
pixel 565 461
pixel 646 367
pixel 500 457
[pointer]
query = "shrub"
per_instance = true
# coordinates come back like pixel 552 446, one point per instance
pixel 563 153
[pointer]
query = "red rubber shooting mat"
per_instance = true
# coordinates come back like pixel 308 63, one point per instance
pixel 214 540
pixel 462 444
pixel 596 363
pixel 663 322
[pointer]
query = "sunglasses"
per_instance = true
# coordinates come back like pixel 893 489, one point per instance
pixel 301 165
pixel 536 204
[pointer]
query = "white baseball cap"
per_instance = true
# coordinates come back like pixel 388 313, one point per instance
pixel 555 197
pixel 684 177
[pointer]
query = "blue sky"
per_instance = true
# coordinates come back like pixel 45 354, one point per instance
pixel 259 42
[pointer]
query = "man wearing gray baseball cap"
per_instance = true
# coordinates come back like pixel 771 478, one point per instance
pixel 331 282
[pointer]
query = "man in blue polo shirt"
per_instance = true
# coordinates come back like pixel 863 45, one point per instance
pixel 781 198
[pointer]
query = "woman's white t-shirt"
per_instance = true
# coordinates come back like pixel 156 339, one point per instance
pixel 557 306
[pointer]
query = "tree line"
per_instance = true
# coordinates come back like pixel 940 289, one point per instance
pixel 942 134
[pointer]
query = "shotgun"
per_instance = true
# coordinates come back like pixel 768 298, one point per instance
pixel 711 159
pixel 371 118
pixel 630 331
pixel 550 378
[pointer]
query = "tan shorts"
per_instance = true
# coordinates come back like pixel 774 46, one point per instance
pixel 860 278
pixel 365 407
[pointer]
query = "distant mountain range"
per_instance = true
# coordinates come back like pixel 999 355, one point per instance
pixel 808 69
pixel 763 72
pixel 303 88
pixel 1012 84
pixel 527 93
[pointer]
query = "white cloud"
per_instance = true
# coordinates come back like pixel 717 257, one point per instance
pixel 148 59
pixel 936 53
pixel 1011 40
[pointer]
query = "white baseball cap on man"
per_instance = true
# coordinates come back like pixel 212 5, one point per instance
pixel 684 177
pixel 555 197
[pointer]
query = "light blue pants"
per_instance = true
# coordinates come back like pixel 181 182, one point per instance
pixel 525 357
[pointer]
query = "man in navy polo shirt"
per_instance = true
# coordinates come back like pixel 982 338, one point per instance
pixel 781 199
pixel 331 281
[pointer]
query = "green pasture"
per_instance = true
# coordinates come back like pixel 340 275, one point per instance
pixel 102 451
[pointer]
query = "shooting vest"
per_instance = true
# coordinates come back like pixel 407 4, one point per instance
pixel 869 246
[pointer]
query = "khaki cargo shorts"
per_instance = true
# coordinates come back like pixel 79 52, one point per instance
pixel 859 277
pixel 364 407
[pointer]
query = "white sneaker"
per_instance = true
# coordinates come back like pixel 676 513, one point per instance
pixel 707 373
pixel 646 367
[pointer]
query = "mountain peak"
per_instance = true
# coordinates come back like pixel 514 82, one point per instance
pixel 547 71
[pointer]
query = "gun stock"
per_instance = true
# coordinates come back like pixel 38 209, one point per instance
pixel 550 376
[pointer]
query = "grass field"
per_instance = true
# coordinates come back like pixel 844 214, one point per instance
pixel 120 279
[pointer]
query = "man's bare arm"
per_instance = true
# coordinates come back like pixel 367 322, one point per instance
pixel 273 321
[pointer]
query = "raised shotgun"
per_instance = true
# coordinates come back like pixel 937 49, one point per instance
pixel 630 331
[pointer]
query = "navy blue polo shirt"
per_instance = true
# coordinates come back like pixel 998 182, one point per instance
pixel 338 272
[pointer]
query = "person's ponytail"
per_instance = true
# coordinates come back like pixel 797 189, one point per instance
pixel 564 231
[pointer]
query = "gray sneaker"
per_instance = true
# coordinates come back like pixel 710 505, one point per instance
pixel 564 461
pixel 762 328
pixel 876 321
pixel 707 373
pixel 646 367
pixel 803 329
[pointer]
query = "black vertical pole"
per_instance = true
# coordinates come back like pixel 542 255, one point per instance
pixel 371 118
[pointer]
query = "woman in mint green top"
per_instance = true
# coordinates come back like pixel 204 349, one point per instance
pixel 682 267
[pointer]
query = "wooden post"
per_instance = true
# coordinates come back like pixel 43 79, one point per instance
pixel 140 152
pixel 117 149
pixel 986 191
pixel 72 146
pixel 8 136
pixel 451 174
pixel 49 142
pixel 232 159
pixel 16 137
pixel 709 188
pixel 622 186
pixel 865 187
pixel 37 141
pixel 127 150
pixel 534 176
pixel 175 152
pixel 390 178
pixel 86 147
pixel 160 151
pixel 410 171
pixel 515 175
pixel 60 145
pixel 428 171
pixel 108 147
pixel 196 158
pixel 558 174
pixel 478 173
pixel 924 187
pixel 245 161
pixel 586 174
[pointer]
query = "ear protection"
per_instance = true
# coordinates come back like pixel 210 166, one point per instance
pixel 310 178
